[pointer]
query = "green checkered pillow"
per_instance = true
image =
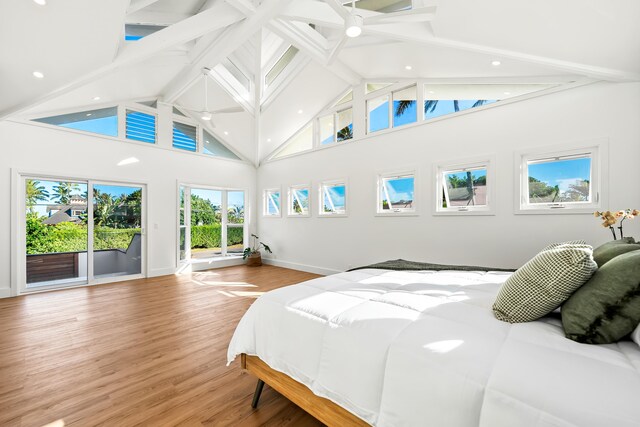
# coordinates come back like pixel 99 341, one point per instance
pixel 545 282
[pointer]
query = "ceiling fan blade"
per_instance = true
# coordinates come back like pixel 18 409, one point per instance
pixel 336 49
pixel 422 14
pixel 228 110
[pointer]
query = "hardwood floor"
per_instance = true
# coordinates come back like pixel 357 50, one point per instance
pixel 144 352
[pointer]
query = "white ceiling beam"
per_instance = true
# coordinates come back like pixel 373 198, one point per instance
pixel 244 6
pixel 290 32
pixel 196 26
pixel 222 47
pixel 322 14
pixel 150 17
pixel 136 5
pixel 423 14
pixel 257 96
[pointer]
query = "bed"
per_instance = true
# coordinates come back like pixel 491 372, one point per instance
pixel 415 348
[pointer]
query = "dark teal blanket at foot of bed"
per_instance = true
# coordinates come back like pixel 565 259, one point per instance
pixel 403 264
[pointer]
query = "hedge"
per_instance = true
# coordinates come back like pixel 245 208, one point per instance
pixel 209 236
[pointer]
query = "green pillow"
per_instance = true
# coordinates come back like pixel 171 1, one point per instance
pixel 605 253
pixel 607 307
pixel 546 281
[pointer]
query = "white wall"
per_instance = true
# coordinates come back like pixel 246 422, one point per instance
pixel 504 240
pixel 38 149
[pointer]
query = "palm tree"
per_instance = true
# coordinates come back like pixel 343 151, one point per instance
pixel 236 213
pixel 431 104
pixel 35 192
pixel 345 133
pixel 63 192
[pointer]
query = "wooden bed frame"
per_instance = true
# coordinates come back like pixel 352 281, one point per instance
pixel 323 409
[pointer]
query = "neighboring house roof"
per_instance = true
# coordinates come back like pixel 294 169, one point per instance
pixel 62 214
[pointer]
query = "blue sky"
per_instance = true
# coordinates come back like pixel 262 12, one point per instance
pixel 399 189
pixel 275 198
pixel 562 172
pixel 463 175
pixel 337 196
pixel 235 198
pixel 103 125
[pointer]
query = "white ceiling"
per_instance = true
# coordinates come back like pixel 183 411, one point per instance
pixel 79 46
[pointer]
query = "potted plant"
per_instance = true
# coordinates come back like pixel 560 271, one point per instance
pixel 252 253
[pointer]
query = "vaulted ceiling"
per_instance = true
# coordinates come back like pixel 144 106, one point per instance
pixel 80 47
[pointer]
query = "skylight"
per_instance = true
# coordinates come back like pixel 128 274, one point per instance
pixel 384 6
pixel 103 121
pixel 280 65
pixel 133 32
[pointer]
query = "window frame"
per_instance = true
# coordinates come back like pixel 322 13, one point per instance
pixel 404 173
pixel 138 108
pixel 334 120
pixel 291 214
pixel 333 183
pixel 597 150
pixel 188 122
pixel 265 210
pixel 440 169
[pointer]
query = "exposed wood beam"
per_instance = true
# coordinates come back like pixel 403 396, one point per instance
pixel 222 47
pixel 182 32
pixel 290 32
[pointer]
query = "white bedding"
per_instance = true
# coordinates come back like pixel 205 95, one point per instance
pixel 400 348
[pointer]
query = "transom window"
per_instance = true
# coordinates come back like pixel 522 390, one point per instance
pixel 396 193
pixel 185 136
pixel 392 110
pixel 103 121
pixel 302 141
pixel 337 126
pixel 333 198
pixel 298 200
pixel 271 203
pixel 140 126
pixel 465 187
pixel 560 180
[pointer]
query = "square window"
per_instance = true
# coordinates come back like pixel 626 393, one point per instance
pixel 378 113
pixel 464 188
pixel 396 193
pixel 333 198
pixel 405 106
pixel 271 203
pixel 299 201
pixel 559 181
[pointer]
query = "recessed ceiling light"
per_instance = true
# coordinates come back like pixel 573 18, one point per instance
pixel 88 114
pixel 226 132
pixel 507 93
pixel 40 2
pixel 300 111
pixel 408 67
pixel 495 63
pixel 431 92
pixel 96 98
pixel 38 75
pixel 268 139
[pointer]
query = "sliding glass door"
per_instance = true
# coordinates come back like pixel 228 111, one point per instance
pixel 69 241
pixel 211 223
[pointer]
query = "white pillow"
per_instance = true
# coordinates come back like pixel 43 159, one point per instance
pixel 635 335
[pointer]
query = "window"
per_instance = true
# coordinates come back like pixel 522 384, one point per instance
pixel 348 97
pixel 396 193
pixel 280 65
pixel 103 121
pixel 238 74
pixel 372 87
pixel 133 32
pixel 336 127
pixel 303 141
pixel 271 203
pixel 299 200
pixel 465 188
pixel 185 137
pixel 211 223
pixel 404 106
pixel 378 113
pixel 213 147
pixel 561 180
pixel 140 126
pixel 333 198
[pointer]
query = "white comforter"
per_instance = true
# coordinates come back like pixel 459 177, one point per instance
pixel 401 348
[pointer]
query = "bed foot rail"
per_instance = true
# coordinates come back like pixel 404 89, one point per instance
pixel 256 395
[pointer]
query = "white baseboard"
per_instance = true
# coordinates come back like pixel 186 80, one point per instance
pixel 301 267
pixel 5 292
pixel 161 272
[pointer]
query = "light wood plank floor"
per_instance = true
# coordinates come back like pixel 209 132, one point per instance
pixel 144 352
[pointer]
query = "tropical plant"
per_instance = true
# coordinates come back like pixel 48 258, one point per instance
pixel 345 133
pixel 431 104
pixel 609 219
pixel 236 214
pixel 35 192
pixel 63 192
pixel 254 248
pixel 204 212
